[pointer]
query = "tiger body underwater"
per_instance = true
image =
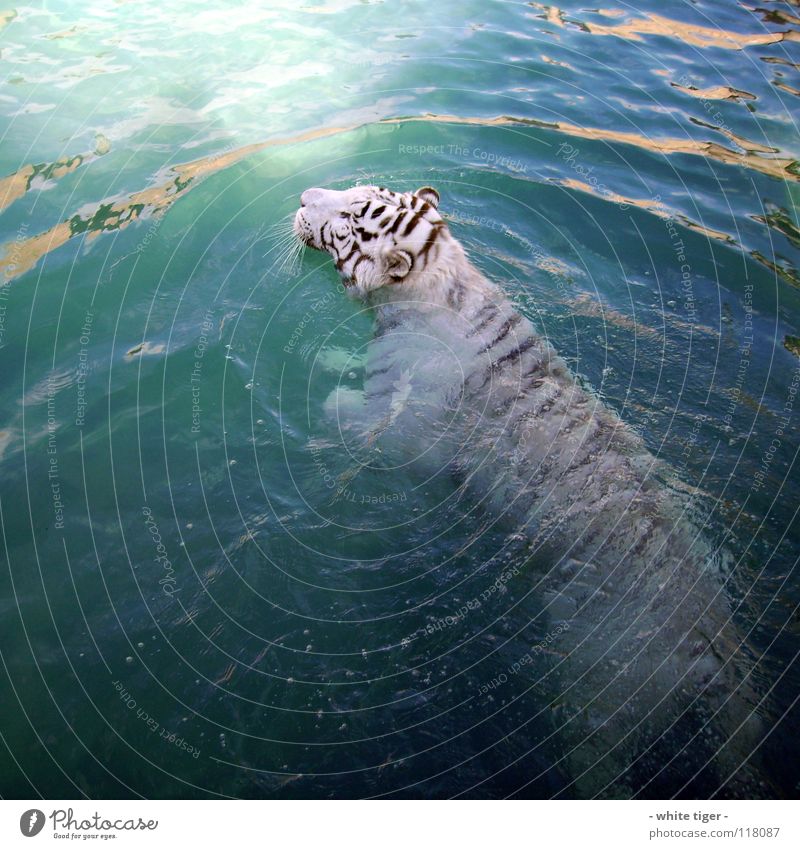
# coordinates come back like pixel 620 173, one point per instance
pixel 457 381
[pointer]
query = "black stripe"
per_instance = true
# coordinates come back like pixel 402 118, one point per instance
pixel 413 223
pixel 504 329
pixel 534 369
pixel 435 230
pixel 533 383
pixel 378 211
pixel 347 259
pixel 515 353
pixel 370 374
pixel 397 222
pixel 455 295
pixel 341 241
pixel 508 357
pixel 385 325
pixel 492 309
pixel 357 263
pixel 354 250
pixel 323 240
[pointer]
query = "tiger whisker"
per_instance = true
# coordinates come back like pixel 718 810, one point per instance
pixel 282 232
pixel 285 250
pixel 287 262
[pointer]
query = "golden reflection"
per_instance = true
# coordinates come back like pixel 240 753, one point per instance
pixel 787 88
pixel 550 61
pixel 5 438
pixel 778 16
pixel 556 267
pixel 6 16
pixel 777 60
pixel 717 92
pixel 785 272
pixel 778 218
pixel 587 305
pixel 649 204
pixel 784 168
pixel 652 24
pixel 653 206
pixel 709 232
pixel 64 33
pixel 14 186
pixel 22 255
pixel 739 141
pixel 146 349
pixel 792 343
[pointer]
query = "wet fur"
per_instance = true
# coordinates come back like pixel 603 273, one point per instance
pixel 619 555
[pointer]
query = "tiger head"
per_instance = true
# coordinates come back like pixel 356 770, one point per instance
pixel 376 237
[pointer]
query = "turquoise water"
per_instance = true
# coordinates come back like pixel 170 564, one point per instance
pixel 188 609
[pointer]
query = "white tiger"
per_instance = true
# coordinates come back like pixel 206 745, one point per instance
pixel 454 367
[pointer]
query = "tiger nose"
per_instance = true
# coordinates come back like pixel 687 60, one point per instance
pixel 310 196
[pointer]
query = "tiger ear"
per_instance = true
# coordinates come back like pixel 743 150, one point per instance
pixel 429 195
pixel 398 263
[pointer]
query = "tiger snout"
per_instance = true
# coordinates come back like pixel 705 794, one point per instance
pixel 317 206
pixel 312 196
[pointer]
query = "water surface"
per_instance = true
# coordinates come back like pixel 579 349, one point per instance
pixel 187 611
